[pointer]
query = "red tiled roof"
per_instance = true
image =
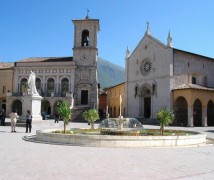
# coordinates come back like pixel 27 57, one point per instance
pixel 192 86
pixel 6 65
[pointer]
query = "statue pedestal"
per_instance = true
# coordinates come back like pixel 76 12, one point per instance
pixel 32 103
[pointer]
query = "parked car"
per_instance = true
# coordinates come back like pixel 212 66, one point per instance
pixel 45 116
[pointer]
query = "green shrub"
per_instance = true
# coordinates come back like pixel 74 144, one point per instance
pixel 65 112
pixel 164 118
pixel 91 116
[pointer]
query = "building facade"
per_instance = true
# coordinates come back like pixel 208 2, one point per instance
pixel 158 76
pixel 73 79
pixel 6 82
pixel 113 100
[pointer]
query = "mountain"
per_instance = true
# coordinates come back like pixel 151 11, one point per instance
pixel 109 74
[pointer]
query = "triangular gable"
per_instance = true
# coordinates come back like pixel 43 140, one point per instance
pixel 152 39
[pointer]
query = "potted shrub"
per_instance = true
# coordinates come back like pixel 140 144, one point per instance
pixel 164 118
pixel 65 112
pixel 91 116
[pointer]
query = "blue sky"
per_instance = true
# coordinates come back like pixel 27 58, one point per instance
pixel 43 28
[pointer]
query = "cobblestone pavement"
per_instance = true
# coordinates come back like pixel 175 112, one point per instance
pixel 22 160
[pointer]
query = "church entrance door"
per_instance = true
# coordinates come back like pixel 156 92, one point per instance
pixel 84 97
pixel 147 107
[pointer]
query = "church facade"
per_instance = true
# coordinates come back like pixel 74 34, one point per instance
pixel 159 76
pixel 73 79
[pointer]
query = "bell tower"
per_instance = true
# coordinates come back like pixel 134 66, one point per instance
pixel 85 53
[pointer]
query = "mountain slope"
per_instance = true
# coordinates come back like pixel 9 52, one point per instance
pixel 109 74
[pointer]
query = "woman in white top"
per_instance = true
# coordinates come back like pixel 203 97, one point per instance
pixel 13 115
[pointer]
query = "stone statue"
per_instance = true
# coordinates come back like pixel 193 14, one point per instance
pixel 32 84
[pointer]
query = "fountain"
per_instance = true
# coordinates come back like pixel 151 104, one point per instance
pixel 120 132
pixel 120 126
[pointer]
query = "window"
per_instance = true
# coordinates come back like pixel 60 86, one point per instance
pixel 64 85
pixel 85 38
pixel 38 84
pixel 193 80
pixel 50 85
pixel 23 85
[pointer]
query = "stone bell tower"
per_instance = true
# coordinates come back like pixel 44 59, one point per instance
pixel 85 53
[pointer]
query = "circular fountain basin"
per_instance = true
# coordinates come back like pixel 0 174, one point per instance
pixel 113 134
pixel 120 141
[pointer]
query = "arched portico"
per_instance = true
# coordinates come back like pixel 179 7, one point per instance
pixel 199 100
pixel 210 113
pixel 181 112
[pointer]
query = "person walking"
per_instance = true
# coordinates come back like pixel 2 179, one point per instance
pixel 56 118
pixel 13 115
pixel 28 121
pixel 3 117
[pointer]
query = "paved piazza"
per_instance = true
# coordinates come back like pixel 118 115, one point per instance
pixel 24 160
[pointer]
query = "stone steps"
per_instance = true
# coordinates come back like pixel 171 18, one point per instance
pixel 77 113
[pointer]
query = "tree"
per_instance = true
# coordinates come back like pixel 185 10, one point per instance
pixel 91 116
pixel 65 112
pixel 164 118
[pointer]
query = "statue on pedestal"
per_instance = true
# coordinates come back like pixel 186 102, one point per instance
pixel 32 84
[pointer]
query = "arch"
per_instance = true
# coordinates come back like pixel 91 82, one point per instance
pixel 45 107
pixel 197 113
pixel 17 105
pixel 145 100
pixel 23 85
pixel 181 111
pixel 50 85
pixel 3 103
pixel 210 113
pixel 85 38
pixel 64 86
pixel 145 90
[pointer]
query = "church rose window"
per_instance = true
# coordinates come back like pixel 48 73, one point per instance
pixel 146 66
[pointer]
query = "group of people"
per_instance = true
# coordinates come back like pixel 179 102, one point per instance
pixel 14 116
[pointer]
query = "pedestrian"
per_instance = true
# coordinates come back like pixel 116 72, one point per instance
pixel 13 115
pixel 2 117
pixel 28 121
pixel 56 118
